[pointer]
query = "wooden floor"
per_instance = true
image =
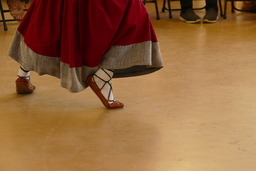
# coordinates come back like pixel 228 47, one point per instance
pixel 196 114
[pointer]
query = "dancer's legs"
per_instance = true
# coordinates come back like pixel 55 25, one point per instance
pixel 100 83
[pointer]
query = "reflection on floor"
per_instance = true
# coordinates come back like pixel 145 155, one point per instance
pixel 196 114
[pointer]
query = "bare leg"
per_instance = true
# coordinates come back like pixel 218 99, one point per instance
pixel 15 9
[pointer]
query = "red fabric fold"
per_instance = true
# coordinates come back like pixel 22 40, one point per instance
pixel 80 32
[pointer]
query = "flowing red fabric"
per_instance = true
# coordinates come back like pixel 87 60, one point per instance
pixel 80 32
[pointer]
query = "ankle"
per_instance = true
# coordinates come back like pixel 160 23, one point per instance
pixel 23 72
pixel 103 79
pixel 184 9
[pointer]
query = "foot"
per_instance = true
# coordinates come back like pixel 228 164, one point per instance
pixel 16 10
pixel 190 16
pixel 111 104
pixel 211 16
pixel 24 86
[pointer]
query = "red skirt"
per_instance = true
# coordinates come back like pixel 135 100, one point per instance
pixel 71 39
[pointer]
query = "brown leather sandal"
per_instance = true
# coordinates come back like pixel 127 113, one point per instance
pixel 24 86
pixel 111 104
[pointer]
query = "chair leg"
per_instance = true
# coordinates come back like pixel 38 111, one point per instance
pixel 232 6
pixel 220 6
pixel 3 17
pixel 225 9
pixel 156 5
pixel 163 8
pixel 170 9
pixel 157 12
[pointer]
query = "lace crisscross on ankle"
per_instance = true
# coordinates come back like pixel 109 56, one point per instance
pixel 106 82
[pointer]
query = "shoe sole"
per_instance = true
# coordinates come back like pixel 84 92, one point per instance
pixel 190 22
pixel 209 21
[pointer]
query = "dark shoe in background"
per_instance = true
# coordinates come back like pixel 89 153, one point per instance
pixel 211 16
pixel 190 17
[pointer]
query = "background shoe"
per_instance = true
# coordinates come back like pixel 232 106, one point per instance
pixel 211 16
pixel 24 86
pixel 190 17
